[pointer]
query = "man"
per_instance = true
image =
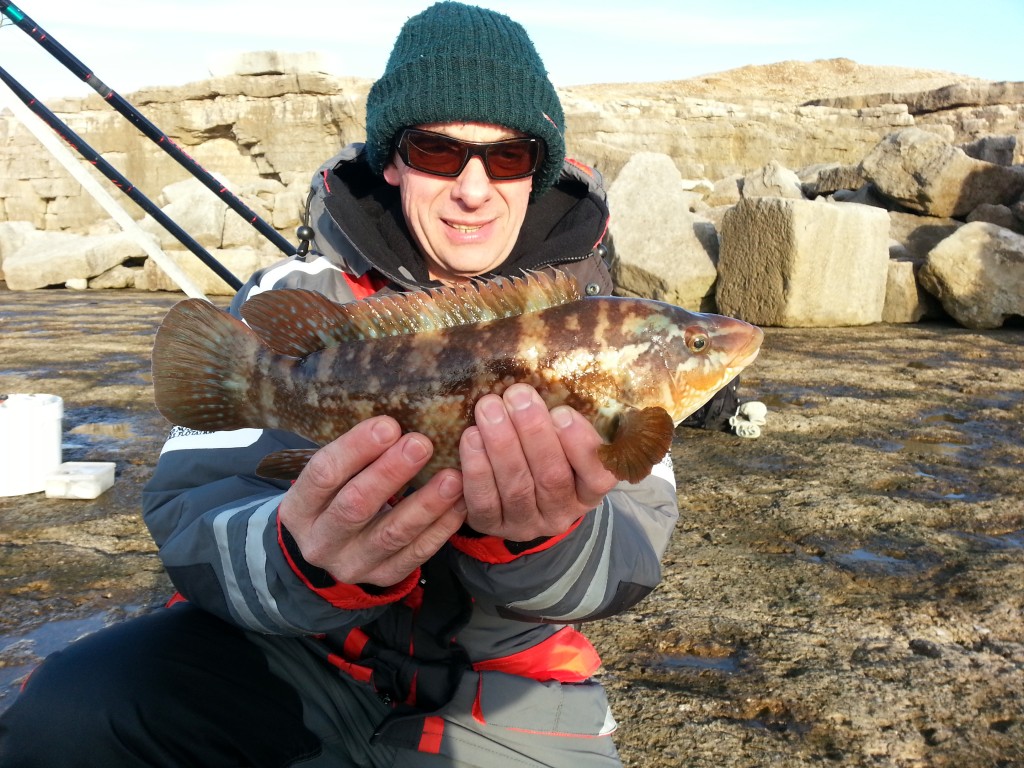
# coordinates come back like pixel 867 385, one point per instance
pixel 330 622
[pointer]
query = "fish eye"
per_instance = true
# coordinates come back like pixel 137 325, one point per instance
pixel 697 341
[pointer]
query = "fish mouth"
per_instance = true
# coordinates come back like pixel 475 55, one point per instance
pixel 748 352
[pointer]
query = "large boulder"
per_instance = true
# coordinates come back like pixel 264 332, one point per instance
pixel 924 172
pixel 13 235
pixel 978 275
pixel 662 251
pixel 54 258
pixel 803 263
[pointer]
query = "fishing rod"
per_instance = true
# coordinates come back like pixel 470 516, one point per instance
pixel 74 140
pixel 148 129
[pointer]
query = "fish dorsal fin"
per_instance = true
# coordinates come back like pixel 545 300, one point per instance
pixel 293 321
pixel 297 322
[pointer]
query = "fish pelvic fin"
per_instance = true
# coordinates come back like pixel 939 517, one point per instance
pixel 203 361
pixel 284 465
pixel 298 322
pixel 641 440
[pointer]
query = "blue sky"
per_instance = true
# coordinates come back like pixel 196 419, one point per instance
pixel 135 43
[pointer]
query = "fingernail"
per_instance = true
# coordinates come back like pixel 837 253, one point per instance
pixel 384 431
pixel 415 448
pixel 450 487
pixel 562 417
pixel 492 410
pixel 520 398
pixel 474 440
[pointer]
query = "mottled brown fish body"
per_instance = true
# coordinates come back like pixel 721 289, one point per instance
pixel 605 357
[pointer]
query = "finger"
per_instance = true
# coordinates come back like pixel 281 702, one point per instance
pixel 352 537
pixel 553 481
pixel 512 476
pixel 357 502
pixel 419 525
pixel 479 486
pixel 333 466
pixel 580 442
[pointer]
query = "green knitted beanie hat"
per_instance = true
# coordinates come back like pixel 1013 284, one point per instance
pixel 454 63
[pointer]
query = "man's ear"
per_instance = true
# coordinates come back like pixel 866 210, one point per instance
pixel 391 175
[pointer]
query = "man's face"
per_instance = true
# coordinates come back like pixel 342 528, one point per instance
pixel 464 225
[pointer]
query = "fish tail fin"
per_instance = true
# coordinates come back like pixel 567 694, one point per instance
pixel 203 364
pixel 642 438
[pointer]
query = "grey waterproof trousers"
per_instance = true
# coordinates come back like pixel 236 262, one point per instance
pixel 179 687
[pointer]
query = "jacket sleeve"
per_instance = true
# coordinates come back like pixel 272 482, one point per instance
pixel 215 523
pixel 605 565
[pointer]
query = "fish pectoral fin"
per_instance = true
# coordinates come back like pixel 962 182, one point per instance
pixel 641 440
pixel 285 465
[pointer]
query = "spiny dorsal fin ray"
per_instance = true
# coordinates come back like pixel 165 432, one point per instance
pixel 298 322
pixel 641 440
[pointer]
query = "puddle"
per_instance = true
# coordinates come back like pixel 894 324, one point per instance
pixel 669 661
pixel 879 558
pixel 994 541
pixel 944 418
pixel 865 559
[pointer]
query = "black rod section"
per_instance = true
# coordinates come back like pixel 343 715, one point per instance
pixel 76 142
pixel 148 129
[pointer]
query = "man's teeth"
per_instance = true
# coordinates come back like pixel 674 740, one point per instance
pixel 463 227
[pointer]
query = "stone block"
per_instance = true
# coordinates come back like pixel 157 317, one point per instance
pixel 803 263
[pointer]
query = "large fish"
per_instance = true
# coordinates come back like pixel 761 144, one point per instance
pixel 633 367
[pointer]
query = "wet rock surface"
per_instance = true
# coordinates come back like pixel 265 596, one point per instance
pixel 845 590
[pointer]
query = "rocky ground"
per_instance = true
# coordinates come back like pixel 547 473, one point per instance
pixel 845 590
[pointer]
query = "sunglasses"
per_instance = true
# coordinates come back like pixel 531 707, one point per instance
pixel 442 155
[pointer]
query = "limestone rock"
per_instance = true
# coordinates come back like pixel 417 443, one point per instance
pixel 118 277
pixel 998 150
pixel 659 250
pixel 919 234
pixel 997 214
pixel 978 275
pixel 803 263
pixel 772 180
pixel 937 99
pixel 241 262
pixel 830 178
pixel 195 209
pixel 54 258
pixel 268 63
pixel 13 235
pixel 925 173
pixel 725 191
pixel 905 300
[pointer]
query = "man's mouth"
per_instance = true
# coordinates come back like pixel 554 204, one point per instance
pixel 464 227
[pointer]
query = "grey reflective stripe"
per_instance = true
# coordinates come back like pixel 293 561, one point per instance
pixel 594 597
pixel 270 279
pixel 234 593
pixel 256 561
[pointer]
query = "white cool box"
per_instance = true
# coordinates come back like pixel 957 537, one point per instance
pixel 30 452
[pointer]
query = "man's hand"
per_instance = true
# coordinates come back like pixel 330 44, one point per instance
pixel 528 472
pixel 336 509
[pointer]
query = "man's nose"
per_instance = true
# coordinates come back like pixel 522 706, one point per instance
pixel 473 185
